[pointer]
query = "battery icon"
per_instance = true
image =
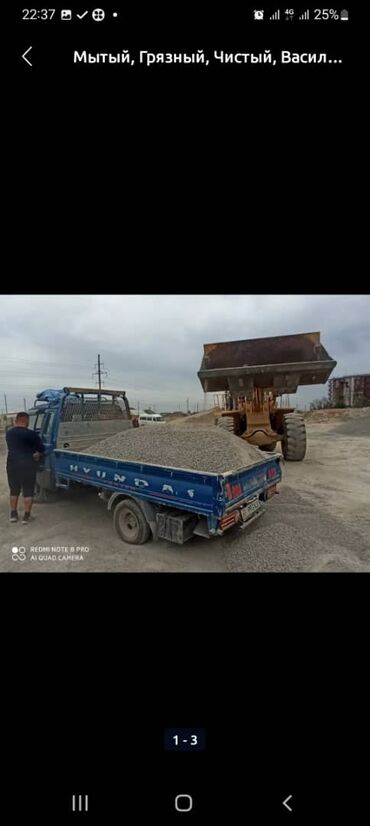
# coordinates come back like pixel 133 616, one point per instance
pixel 344 14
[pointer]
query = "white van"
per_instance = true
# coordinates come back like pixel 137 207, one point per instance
pixel 151 418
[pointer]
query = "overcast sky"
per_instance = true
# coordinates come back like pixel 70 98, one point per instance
pixel 152 346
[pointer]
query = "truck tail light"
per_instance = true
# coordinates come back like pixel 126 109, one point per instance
pixel 271 490
pixel 229 520
pixel 271 473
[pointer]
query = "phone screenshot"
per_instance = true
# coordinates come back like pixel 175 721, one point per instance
pixel 184 418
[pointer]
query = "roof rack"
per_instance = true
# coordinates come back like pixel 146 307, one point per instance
pixel 94 390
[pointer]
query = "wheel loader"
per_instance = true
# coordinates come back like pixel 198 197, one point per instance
pixel 253 375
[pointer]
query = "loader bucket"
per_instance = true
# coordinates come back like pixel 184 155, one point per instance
pixel 279 363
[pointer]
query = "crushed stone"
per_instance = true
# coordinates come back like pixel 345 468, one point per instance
pixel 208 449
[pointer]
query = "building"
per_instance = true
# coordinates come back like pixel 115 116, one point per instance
pixel 352 391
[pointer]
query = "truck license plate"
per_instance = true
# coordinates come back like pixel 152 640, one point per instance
pixel 250 509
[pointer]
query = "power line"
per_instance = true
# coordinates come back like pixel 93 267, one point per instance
pixel 13 359
pixel 42 374
pixel 42 370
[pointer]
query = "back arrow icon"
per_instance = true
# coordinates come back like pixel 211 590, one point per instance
pixel 26 58
pixel 285 803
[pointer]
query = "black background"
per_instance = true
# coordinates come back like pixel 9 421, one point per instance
pixel 235 177
pixel 181 166
pixel 273 666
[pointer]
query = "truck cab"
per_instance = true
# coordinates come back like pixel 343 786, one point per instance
pixel 74 418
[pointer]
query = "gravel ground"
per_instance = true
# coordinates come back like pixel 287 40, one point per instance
pixel 206 448
pixel 319 522
pixel 354 427
pixel 291 537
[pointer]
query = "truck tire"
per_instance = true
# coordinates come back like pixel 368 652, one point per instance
pixel 294 439
pixel 227 423
pixel 130 523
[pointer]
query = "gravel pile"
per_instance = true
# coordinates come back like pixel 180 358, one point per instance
pixel 208 449
pixel 204 419
pixel 291 537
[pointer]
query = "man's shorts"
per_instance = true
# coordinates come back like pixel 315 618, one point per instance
pixel 21 478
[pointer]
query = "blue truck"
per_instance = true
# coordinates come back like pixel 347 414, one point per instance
pixel 146 500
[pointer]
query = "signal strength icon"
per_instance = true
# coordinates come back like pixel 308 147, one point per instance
pixel 305 15
pixel 276 15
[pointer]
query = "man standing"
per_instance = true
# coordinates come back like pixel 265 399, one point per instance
pixel 25 448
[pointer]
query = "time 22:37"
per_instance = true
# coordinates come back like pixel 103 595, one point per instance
pixel 38 14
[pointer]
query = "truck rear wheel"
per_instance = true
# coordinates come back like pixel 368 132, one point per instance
pixel 130 523
pixel 294 440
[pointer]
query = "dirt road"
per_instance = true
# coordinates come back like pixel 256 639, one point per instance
pixel 319 522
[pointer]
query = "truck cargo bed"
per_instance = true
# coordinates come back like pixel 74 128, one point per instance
pixel 211 494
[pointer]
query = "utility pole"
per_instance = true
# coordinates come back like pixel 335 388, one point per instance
pixel 6 405
pixel 24 404
pixel 99 372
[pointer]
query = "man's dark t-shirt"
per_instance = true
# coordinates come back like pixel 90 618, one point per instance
pixel 22 443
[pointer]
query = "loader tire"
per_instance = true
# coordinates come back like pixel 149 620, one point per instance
pixel 227 423
pixel 294 439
